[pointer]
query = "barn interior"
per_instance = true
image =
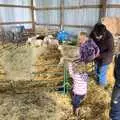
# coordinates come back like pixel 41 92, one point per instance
pixel 32 68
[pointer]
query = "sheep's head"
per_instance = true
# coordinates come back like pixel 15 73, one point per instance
pixel 37 35
pixel 50 36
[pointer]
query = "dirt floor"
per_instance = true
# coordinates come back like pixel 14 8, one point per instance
pixel 35 102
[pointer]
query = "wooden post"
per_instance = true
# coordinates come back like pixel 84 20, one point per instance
pixel 61 14
pixel 33 18
pixel 103 8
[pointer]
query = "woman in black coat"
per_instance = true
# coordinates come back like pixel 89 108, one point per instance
pixel 104 39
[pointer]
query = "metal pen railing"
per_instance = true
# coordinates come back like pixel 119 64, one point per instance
pixel 66 84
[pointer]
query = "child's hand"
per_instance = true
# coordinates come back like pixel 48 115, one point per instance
pixel 98 55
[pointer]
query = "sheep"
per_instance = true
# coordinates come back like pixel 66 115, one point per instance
pixel 49 40
pixel 34 41
pixel 68 52
pixel 38 43
pixel 29 41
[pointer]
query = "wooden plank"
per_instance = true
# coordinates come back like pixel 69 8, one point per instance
pixel 103 8
pixel 113 6
pixel 67 25
pixel 83 6
pixel 21 22
pixel 79 26
pixel 48 8
pixel 48 24
pixel 33 17
pixel 17 6
pixel 70 7
pixel 62 14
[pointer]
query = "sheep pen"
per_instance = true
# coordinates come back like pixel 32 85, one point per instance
pixel 40 103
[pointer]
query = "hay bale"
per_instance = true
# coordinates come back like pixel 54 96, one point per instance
pixel 119 25
pixel 110 75
pixel 112 24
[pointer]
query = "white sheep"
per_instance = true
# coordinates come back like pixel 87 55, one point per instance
pixel 38 43
pixel 49 40
pixel 34 41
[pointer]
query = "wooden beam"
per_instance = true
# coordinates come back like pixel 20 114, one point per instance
pixel 103 9
pixel 83 6
pixel 17 6
pixel 79 26
pixel 67 25
pixel 33 17
pixel 48 8
pixel 21 22
pixel 61 14
pixel 48 24
pixel 113 6
pixel 70 7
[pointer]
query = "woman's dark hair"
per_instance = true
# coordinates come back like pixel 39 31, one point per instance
pixel 99 29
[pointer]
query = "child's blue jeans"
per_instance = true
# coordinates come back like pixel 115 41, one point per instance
pixel 77 100
pixel 101 73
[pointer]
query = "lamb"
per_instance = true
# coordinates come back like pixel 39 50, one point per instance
pixel 49 40
pixel 29 41
pixel 34 41
pixel 38 43
pixel 68 52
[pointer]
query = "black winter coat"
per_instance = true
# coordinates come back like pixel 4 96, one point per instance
pixel 106 46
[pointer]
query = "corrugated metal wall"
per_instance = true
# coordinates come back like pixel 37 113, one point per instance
pixel 47 16
pixel 83 16
pixel 46 3
pixel 14 14
pixel 113 11
pixel 87 16
pixel 80 2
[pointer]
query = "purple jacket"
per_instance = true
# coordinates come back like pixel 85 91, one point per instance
pixel 88 51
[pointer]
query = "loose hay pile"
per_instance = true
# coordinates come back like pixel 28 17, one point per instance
pixel 37 105
pixel 47 65
pixel 95 106
pixel 53 106
pixel 2 73
pixel 16 61
pixel 97 103
pixel 45 105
